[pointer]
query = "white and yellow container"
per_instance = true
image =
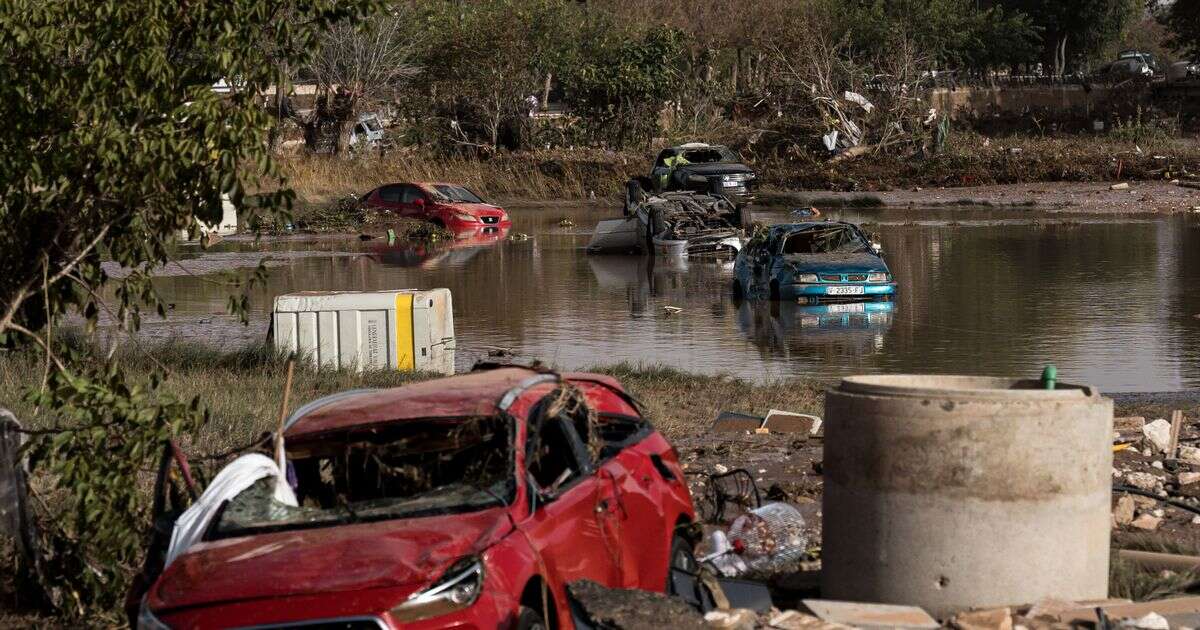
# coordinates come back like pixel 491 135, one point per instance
pixel 405 329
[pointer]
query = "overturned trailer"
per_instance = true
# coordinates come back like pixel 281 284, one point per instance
pixel 672 224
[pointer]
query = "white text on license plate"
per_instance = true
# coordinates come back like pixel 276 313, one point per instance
pixel 857 307
pixel 731 184
pixel 845 290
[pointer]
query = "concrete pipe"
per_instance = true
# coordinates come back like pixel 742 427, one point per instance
pixel 956 492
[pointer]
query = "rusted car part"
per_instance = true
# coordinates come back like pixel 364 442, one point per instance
pixel 470 500
pixel 673 224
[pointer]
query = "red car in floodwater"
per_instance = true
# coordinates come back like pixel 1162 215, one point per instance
pixel 449 205
pixel 464 502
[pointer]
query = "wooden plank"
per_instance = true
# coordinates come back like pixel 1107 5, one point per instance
pixel 1176 427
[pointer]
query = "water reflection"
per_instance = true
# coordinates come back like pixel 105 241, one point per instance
pixel 464 246
pixel 790 330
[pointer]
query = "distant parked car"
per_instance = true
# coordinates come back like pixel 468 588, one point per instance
pixel 464 502
pixel 449 205
pixel 703 168
pixel 813 263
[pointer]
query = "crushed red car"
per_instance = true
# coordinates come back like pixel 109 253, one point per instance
pixel 449 205
pixel 463 502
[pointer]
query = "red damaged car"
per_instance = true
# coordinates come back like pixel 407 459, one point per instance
pixel 449 205
pixel 464 502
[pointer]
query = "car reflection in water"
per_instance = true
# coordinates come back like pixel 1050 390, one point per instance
pixel 465 245
pixel 786 328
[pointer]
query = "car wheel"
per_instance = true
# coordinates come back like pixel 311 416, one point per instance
pixel 681 558
pixel 529 619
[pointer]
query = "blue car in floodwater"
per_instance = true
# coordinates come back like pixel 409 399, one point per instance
pixel 821 262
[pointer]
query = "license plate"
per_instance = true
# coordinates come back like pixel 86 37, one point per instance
pixel 844 290
pixel 847 308
pixel 731 184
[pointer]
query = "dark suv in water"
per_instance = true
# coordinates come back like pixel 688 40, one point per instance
pixel 705 168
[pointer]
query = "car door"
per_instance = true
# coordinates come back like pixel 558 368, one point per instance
pixel 571 525
pixel 413 203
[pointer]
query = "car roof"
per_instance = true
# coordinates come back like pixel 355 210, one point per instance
pixel 471 395
pixel 697 145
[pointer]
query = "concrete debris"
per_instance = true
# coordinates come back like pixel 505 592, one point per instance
pixel 796 620
pixel 1152 621
pixel 1159 434
pixel 1156 464
pixel 1123 512
pixel 1142 481
pixel 1189 454
pixel 1187 479
pixel 863 615
pixel 996 619
pixel 1148 522
pixel 736 619
pixel 1121 186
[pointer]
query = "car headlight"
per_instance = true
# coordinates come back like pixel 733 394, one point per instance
pixel 456 590
pixel 807 278
pixel 147 621
pixel 879 277
pixel 469 218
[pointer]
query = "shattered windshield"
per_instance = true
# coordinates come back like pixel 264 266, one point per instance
pixel 456 194
pixel 825 239
pixel 410 469
pixel 710 154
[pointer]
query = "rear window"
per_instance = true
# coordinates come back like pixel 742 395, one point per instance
pixel 405 470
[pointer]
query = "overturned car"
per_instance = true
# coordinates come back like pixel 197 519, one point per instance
pixel 469 501
pixel 672 224
pixel 813 263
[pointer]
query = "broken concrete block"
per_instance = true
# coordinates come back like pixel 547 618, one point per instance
pixel 1123 511
pixel 1189 454
pixel 736 619
pixel 1148 522
pixel 796 620
pixel 995 619
pixel 1142 481
pixel 864 615
pixel 1159 434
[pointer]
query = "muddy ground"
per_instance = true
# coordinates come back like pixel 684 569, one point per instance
pixel 1149 197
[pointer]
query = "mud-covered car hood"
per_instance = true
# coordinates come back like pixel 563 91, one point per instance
pixel 835 263
pixel 325 560
pixel 715 168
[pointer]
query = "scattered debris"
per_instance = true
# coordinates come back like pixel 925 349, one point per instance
pixel 1143 481
pixel 796 620
pixel 1159 434
pixel 995 619
pixel 1152 621
pixel 1148 522
pixel 1121 186
pixel 1188 478
pixel 1124 510
pixel 736 619
pixel 566 222
pixel 672 310
pixel 602 607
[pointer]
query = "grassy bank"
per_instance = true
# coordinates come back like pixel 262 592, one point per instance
pixel 969 159
pixel 243 389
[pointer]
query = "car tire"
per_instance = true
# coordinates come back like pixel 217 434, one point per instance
pixel 529 619
pixel 681 557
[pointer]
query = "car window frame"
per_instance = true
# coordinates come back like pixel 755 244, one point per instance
pixel 579 452
pixel 413 192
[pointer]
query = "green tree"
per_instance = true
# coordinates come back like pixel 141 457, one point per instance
pixel 113 142
pixel 1075 32
pixel 1183 20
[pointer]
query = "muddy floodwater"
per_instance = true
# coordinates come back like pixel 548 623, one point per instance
pixel 1112 301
